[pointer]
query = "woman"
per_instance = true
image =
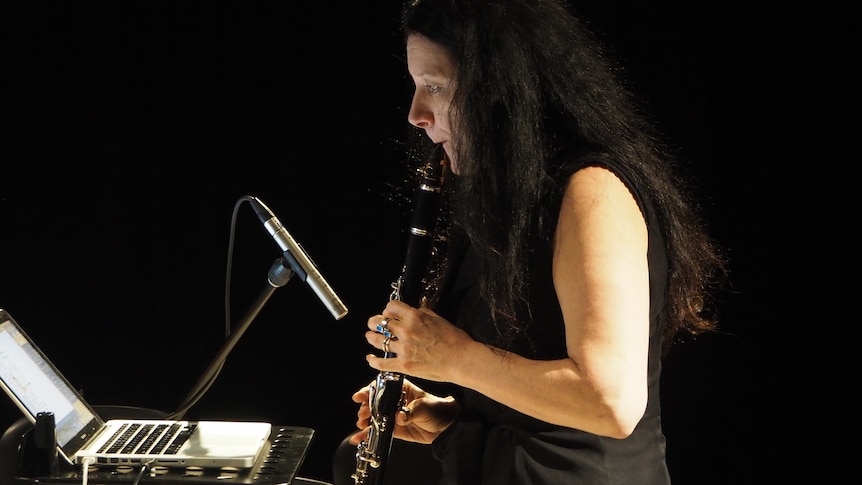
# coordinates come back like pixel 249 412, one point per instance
pixel 575 259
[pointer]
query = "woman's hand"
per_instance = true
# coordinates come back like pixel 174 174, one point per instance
pixel 425 344
pixel 423 417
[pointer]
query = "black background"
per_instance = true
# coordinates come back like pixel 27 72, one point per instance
pixel 133 128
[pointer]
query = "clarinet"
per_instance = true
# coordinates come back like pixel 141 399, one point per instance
pixel 386 396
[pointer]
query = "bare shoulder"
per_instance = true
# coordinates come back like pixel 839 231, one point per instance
pixel 595 187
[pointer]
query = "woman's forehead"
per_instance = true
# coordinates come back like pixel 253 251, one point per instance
pixel 427 58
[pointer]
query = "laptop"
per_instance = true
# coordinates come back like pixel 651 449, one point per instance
pixel 36 385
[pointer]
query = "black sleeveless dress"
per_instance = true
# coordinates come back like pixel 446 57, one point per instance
pixel 491 444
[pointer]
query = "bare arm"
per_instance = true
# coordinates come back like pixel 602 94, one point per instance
pixel 601 277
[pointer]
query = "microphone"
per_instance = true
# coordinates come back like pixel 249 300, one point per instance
pixel 298 259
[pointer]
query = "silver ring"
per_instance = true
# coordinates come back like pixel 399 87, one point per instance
pixel 386 343
pixel 382 327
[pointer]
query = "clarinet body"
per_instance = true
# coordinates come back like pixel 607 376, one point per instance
pixel 386 397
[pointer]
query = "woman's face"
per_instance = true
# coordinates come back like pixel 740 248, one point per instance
pixel 433 74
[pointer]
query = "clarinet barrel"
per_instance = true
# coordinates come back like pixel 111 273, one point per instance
pixel 427 204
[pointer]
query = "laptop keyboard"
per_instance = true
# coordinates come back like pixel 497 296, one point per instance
pixel 149 439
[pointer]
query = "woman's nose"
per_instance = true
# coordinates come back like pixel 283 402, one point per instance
pixel 419 115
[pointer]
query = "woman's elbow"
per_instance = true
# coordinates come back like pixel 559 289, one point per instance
pixel 624 414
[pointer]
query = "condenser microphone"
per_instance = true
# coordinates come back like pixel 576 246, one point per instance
pixel 303 267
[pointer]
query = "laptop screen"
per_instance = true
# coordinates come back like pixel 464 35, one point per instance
pixel 36 386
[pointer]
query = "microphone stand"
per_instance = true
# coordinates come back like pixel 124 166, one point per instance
pixel 279 275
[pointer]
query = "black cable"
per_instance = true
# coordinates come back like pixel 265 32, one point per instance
pixel 140 476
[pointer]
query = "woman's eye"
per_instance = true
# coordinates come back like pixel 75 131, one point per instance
pixel 433 88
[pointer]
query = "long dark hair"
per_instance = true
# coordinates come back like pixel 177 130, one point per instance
pixel 536 95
